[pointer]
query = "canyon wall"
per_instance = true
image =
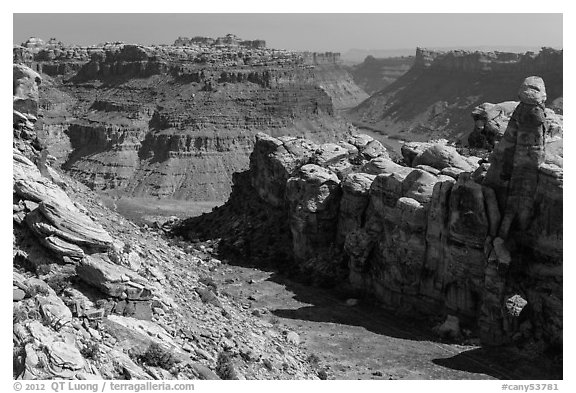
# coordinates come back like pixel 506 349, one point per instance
pixel 176 122
pixel 445 235
pixel 374 74
pixel 435 97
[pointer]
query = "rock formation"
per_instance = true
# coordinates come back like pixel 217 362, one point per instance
pixel 491 121
pixel 438 237
pixel 434 98
pixel 177 121
pixel 96 297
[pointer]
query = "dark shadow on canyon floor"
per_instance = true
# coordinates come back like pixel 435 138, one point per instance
pixel 328 305
pixel 482 360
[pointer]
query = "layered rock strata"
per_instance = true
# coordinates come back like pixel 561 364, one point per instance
pixel 176 122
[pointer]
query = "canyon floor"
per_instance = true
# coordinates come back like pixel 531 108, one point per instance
pixel 364 341
pixel 150 210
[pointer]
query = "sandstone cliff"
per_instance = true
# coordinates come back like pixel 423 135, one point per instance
pixel 178 121
pixel 447 235
pixel 374 74
pixel 434 98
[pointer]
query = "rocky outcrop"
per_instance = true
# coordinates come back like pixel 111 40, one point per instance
pixel 437 238
pixel 434 99
pixel 463 61
pixel 491 121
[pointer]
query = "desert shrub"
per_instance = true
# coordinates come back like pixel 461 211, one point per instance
pixel 58 283
pixel 313 359
pixel 35 315
pixel 119 371
pixel 156 356
pixel 19 315
pixel 43 269
pixel 224 366
pixel 37 290
pixel 91 351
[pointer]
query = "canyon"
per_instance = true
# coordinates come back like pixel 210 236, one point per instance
pixel 174 122
pixel 374 74
pixel 324 237
pixel 97 297
pixel 434 99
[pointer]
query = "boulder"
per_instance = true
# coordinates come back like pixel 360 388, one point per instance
pixel 114 280
pixel 65 356
pixel 441 156
pixel 383 165
pixel 329 153
pixel 74 225
pixel 18 294
pixel 374 149
pixel 293 338
pixel 412 149
pixel 56 313
pixel 515 304
pixel 419 185
pixel 490 123
pixel 367 146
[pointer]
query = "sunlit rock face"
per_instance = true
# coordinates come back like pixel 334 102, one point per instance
pixel 446 235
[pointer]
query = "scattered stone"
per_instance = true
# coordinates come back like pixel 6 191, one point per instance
pixel 351 302
pixel 293 338
pixel 18 294
pixel 515 304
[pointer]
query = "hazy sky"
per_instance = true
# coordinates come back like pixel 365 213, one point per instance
pixel 317 32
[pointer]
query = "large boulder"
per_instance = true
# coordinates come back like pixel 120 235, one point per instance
pixel 114 280
pixel 490 122
pixel 441 156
